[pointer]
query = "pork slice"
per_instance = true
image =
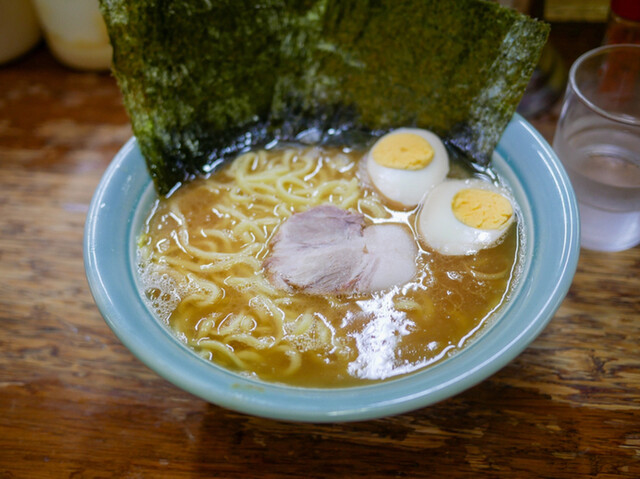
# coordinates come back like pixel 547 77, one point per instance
pixel 319 251
pixel 390 257
pixel 327 250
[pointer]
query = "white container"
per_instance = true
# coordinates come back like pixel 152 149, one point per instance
pixel 19 29
pixel 75 33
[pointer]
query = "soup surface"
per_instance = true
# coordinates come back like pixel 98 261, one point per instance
pixel 201 257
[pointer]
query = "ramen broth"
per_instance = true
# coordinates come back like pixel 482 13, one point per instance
pixel 200 261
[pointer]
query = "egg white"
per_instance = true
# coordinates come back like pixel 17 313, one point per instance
pixel 440 230
pixel 408 187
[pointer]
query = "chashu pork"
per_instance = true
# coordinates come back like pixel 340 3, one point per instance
pixel 327 250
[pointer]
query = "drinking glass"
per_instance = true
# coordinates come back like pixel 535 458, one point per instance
pixel 598 141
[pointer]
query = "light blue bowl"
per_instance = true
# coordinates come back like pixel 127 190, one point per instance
pixel 550 217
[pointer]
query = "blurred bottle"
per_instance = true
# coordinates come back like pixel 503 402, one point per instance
pixel 621 72
pixel 19 28
pixel 623 25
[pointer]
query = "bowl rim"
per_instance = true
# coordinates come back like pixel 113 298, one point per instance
pixel 109 255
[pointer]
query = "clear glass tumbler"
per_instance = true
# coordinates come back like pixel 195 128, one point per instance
pixel 598 141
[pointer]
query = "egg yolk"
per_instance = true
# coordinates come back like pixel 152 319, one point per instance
pixel 404 151
pixel 481 209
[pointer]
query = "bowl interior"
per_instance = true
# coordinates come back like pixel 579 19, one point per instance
pixel 551 247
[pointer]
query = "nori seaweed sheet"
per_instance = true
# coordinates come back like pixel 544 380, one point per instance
pixel 205 79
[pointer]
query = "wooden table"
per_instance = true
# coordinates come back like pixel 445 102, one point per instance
pixel 75 403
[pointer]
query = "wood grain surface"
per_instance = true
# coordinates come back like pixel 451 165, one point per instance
pixel 75 403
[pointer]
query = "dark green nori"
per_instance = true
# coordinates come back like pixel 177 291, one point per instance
pixel 204 79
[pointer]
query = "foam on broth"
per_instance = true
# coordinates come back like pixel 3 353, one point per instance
pixel 200 263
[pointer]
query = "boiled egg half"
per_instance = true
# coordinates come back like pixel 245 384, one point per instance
pixel 406 163
pixel 460 217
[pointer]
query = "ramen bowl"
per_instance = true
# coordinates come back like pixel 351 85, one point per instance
pixel 550 222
